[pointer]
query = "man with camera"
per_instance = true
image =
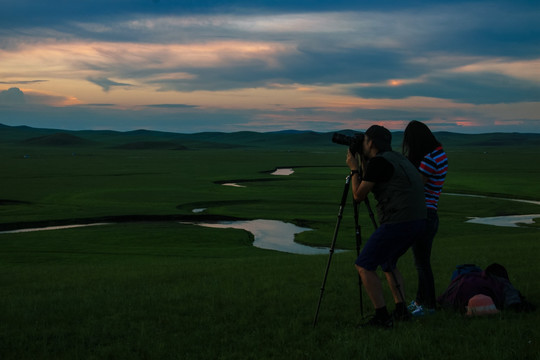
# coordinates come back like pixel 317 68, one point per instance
pixel 398 189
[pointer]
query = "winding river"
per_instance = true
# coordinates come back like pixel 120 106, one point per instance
pixel 279 235
pixel 507 221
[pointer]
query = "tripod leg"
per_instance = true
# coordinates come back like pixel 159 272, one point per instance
pixel 332 247
pixel 370 212
pixel 358 244
pixel 397 285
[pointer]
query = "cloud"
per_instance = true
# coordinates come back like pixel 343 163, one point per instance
pixel 232 66
pixel 12 96
pixel 221 50
pixel 266 64
pixel 22 82
pixel 172 106
pixel 15 96
pixel 105 83
pixel 479 88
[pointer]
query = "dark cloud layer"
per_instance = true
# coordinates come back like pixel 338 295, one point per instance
pixel 369 50
pixel 172 106
pixel 12 96
pixel 105 84
pixel 472 88
pixel 22 82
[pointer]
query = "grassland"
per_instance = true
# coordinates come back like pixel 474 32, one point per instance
pixel 158 289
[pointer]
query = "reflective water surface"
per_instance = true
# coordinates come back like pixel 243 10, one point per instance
pixel 279 236
pixel 271 235
pixel 283 172
pixel 60 227
pixel 509 221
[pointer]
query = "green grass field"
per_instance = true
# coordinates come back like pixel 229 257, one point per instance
pixel 166 290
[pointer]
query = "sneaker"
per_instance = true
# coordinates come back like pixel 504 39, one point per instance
pixel 413 306
pixel 375 321
pixel 421 311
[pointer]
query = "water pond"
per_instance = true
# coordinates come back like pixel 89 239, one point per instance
pixel 507 221
pixel 271 235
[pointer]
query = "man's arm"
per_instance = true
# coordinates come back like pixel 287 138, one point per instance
pixel 360 187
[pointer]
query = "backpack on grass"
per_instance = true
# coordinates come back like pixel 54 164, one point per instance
pixel 470 280
pixel 465 269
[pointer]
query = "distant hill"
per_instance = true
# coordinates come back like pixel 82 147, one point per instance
pixel 489 139
pixel 57 140
pixel 146 139
pixel 149 145
pixel 19 133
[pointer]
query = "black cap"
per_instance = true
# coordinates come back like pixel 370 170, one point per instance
pixel 381 136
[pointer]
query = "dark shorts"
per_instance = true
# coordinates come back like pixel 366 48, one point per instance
pixel 388 243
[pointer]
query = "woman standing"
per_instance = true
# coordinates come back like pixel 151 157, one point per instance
pixel 426 153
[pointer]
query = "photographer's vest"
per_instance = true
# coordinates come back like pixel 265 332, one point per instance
pixel 402 197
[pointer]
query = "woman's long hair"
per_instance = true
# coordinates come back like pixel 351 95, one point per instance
pixel 418 141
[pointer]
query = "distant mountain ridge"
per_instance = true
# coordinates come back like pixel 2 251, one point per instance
pixel 149 139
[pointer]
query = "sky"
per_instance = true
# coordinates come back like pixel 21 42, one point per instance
pixel 270 65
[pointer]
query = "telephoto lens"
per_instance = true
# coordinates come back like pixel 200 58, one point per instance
pixel 353 142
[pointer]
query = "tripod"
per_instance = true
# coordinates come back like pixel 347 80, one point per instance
pixel 358 244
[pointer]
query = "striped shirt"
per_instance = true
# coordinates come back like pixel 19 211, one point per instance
pixel 434 166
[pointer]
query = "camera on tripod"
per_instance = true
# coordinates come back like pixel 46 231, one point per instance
pixel 353 142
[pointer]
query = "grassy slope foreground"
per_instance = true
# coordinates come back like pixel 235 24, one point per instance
pixel 166 290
